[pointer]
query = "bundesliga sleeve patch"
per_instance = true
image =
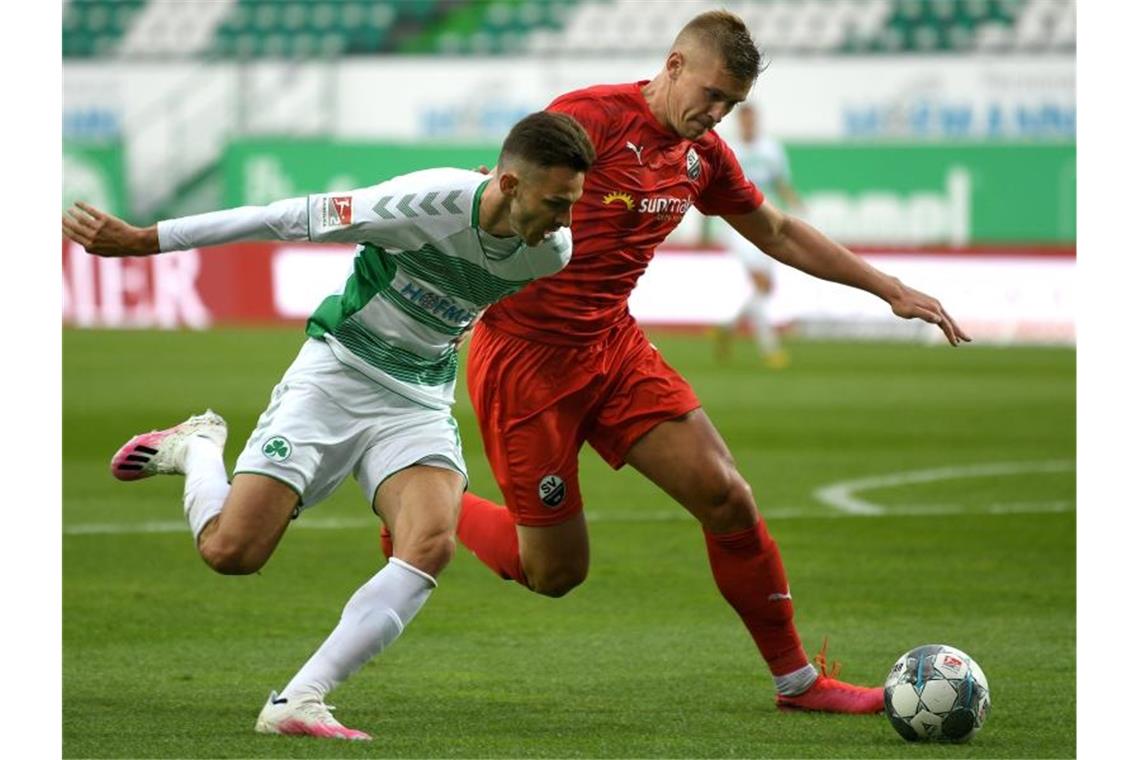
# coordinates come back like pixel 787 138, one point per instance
pixel 336 211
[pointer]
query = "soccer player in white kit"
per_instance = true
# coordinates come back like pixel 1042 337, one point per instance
pixel 765 163
pixel 372 388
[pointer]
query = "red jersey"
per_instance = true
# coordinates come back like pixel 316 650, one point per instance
pixel 644 180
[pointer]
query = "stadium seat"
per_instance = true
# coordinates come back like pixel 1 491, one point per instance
pixel 992 37
pixel 552 27
pixel 1065 28
pixel 323 17
pixel 805 26
pixel 94 27
pixel 295 17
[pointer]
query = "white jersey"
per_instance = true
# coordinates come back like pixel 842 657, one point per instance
pixel 764 162
pixel 423 270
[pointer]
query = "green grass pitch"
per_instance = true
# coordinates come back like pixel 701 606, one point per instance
pixel 162 658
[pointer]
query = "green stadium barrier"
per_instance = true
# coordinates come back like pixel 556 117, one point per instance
pixel 95 173
pixel 914 194
pixel 1012 193
pixel 259 171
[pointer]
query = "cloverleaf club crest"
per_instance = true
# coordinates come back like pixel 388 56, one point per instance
pixel 277 448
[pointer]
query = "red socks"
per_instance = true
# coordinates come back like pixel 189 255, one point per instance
pixel 488 530
pixel 746 565
pixel 750 575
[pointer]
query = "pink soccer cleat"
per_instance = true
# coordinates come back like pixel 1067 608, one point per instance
pixel 304 717
pixel 163 452
pixel 829 694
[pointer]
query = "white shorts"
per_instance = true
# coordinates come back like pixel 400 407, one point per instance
pixel 753 259
pixel 326 420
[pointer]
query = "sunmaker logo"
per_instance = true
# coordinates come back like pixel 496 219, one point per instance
pixel 623 198
pixel 662 205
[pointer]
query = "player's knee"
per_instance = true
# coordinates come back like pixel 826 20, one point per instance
pixel 557 581
pixel 229 556
pixel 728 502
pixel 430 551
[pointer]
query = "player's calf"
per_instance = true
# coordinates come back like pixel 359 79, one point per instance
pixel 244 534
pixel 555 558
pixel 228 556
pixel 556 581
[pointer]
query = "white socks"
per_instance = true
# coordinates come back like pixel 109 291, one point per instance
pixel 375 615
pixel 756 314
pixel 796 682
pixel 206 483
pixel 373 618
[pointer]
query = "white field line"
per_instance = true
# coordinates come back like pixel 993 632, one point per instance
pixel 676 515
pixel 841 495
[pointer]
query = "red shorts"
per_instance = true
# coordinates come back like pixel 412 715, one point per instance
pixel 537 404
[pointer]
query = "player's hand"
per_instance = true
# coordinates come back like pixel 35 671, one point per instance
pixel 104 234
pixel 909 303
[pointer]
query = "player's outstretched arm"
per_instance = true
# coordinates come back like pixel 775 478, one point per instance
pixel 798 244
pixel 104 234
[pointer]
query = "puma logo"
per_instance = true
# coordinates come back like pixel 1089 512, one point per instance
pixel 780 597
pixel 636 150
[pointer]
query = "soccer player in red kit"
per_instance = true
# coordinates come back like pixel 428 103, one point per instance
pixel 562 362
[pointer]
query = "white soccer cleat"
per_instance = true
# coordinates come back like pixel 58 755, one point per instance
pixel 306 717
pixel 163 452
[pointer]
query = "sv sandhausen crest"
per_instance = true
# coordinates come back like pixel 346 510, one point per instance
pixel 552 491
pixel 692 164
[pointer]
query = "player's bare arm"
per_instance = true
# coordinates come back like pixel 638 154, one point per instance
pixel 798 244
pixel 104 234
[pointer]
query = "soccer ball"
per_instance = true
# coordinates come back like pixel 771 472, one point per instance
pixel 936 693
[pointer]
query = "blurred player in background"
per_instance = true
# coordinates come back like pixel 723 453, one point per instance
pixel 765 162
pixel 564 363
pixel 371 390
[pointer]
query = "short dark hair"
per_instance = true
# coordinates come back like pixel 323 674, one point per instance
pixel 549 139
pixel 726 34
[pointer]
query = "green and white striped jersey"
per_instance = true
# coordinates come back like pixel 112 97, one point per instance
pixel 423 273
pixel 423 270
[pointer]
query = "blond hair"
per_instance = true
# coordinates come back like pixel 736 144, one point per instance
pixel 724 33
